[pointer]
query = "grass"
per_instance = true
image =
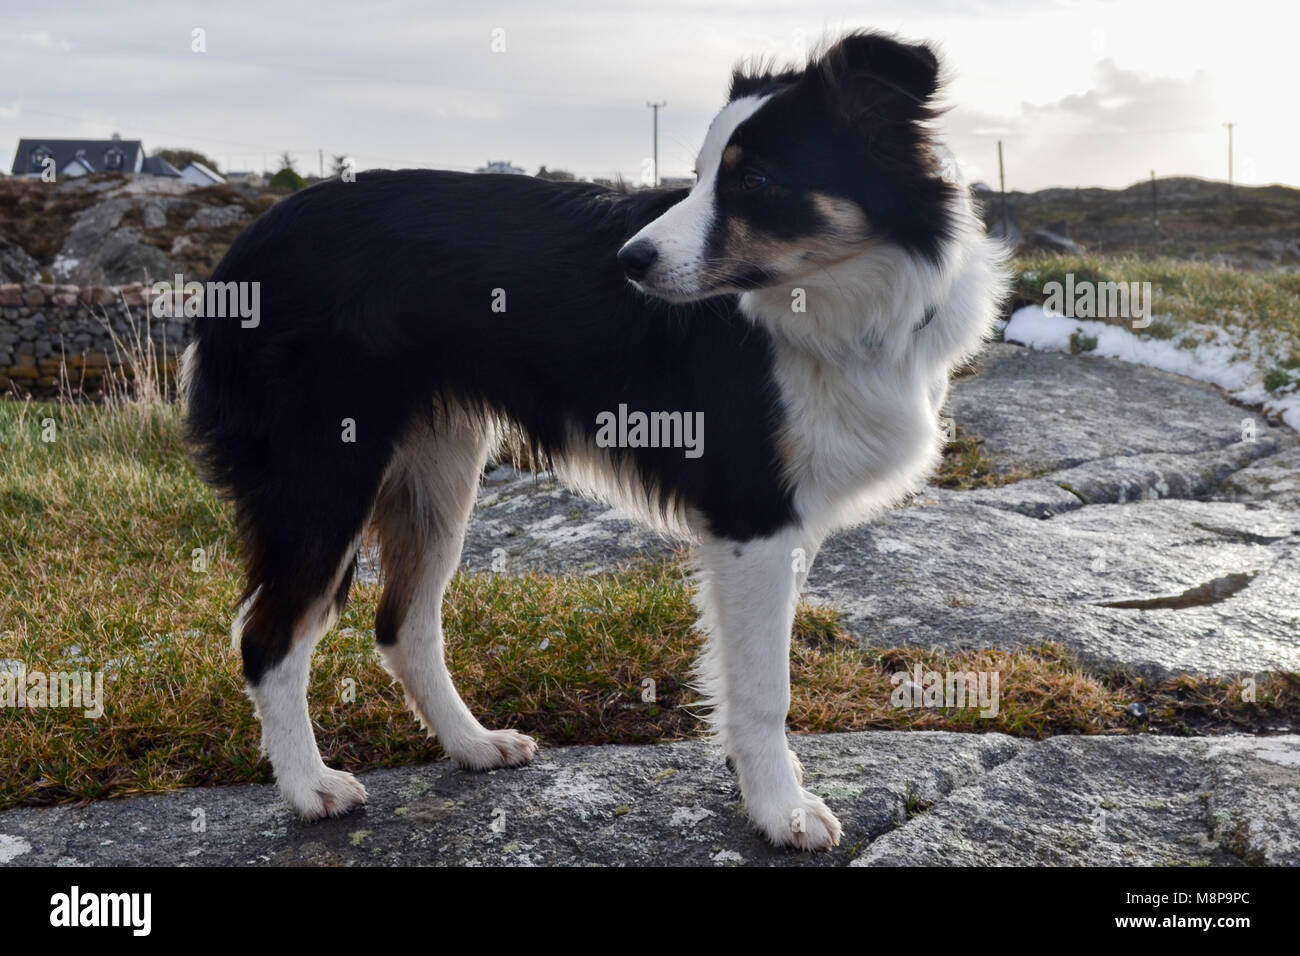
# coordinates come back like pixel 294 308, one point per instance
pixel 1190 299
pixel 1197 219
pixel 98 530
pixel 964 466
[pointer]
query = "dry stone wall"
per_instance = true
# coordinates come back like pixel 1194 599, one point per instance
pixel 46 327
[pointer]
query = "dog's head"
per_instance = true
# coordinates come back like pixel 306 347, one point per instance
pixel 803 169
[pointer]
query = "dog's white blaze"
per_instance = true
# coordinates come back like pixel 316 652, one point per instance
pixel 679 234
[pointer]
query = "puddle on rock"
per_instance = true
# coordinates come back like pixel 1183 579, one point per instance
pixel 1212 592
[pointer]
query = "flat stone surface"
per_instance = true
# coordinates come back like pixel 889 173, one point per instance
pixel 950 575
pixel 903 797
pixel 525 522
pixel 1052 410
pixel 1129 801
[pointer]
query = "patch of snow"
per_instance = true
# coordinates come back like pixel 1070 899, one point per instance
pixel 1218 361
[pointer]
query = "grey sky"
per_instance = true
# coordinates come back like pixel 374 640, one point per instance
pixel 1082 93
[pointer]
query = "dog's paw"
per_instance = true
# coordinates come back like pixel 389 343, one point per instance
pixel 493 750
pixel 331 793
pixel 798 767
pixel 807 825
pixel 794 762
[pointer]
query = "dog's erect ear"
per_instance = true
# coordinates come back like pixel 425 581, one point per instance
pixel 758 80
pixel 873 72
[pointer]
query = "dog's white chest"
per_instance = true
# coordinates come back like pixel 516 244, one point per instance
pixel 857 437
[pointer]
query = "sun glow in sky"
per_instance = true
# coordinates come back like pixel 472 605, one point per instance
pixel 1080 93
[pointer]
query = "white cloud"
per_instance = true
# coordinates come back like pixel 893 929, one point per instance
pixel 1080 91
pixel 44 40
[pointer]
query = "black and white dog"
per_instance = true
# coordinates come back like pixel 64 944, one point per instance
pixel 808 297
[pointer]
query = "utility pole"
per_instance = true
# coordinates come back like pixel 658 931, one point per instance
pixel 320 156
pixel 655 107
pixel 1231 196
pixel 1155 204
pixel 1002 187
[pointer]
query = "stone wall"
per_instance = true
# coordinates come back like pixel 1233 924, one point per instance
pixel 44 326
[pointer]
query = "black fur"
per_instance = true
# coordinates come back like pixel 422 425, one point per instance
pixel 850 126
pixel 376 298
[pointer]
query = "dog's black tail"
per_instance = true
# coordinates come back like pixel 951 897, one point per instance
pixel 277 424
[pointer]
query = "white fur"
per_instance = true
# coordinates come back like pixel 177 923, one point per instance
pixel 280 699
pixel 863 388
pixel 747 595
pixel 445 469
pixel 863 385
pixel 679 234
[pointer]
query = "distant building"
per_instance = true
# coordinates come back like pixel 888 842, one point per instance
pixel 78 157
pixel 501 166
pixel 676 182
pixel 81 157
pixel 157 166
pixel 245 178
pixel 199 175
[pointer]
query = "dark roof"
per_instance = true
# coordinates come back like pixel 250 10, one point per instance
pixel 93 153
pixel 157 166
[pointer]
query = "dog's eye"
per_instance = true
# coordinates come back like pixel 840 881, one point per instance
pixel 752 181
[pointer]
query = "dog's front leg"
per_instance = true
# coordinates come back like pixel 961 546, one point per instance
pixel 748 592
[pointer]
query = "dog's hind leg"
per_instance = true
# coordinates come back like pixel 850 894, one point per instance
pixel 280 695
pixel 747 600
pixel 300 570
pixel 420 517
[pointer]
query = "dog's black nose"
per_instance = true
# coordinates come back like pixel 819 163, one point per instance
pixel 637 258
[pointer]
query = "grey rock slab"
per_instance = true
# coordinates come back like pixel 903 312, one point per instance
pixel 1032 497
pixel 1275 478
pixel 15 264
pixel 1051 410
pixel 949 575
pixel 1164 475
pixel 213 217
pixel 667 804
pixel 1128 801
pixel 98 250
pixel 1253 803
pixel 153 212
pixel 524 522
pixel 903 797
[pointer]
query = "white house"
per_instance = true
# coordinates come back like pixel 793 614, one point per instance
pixel 70 158
pixel 200 175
